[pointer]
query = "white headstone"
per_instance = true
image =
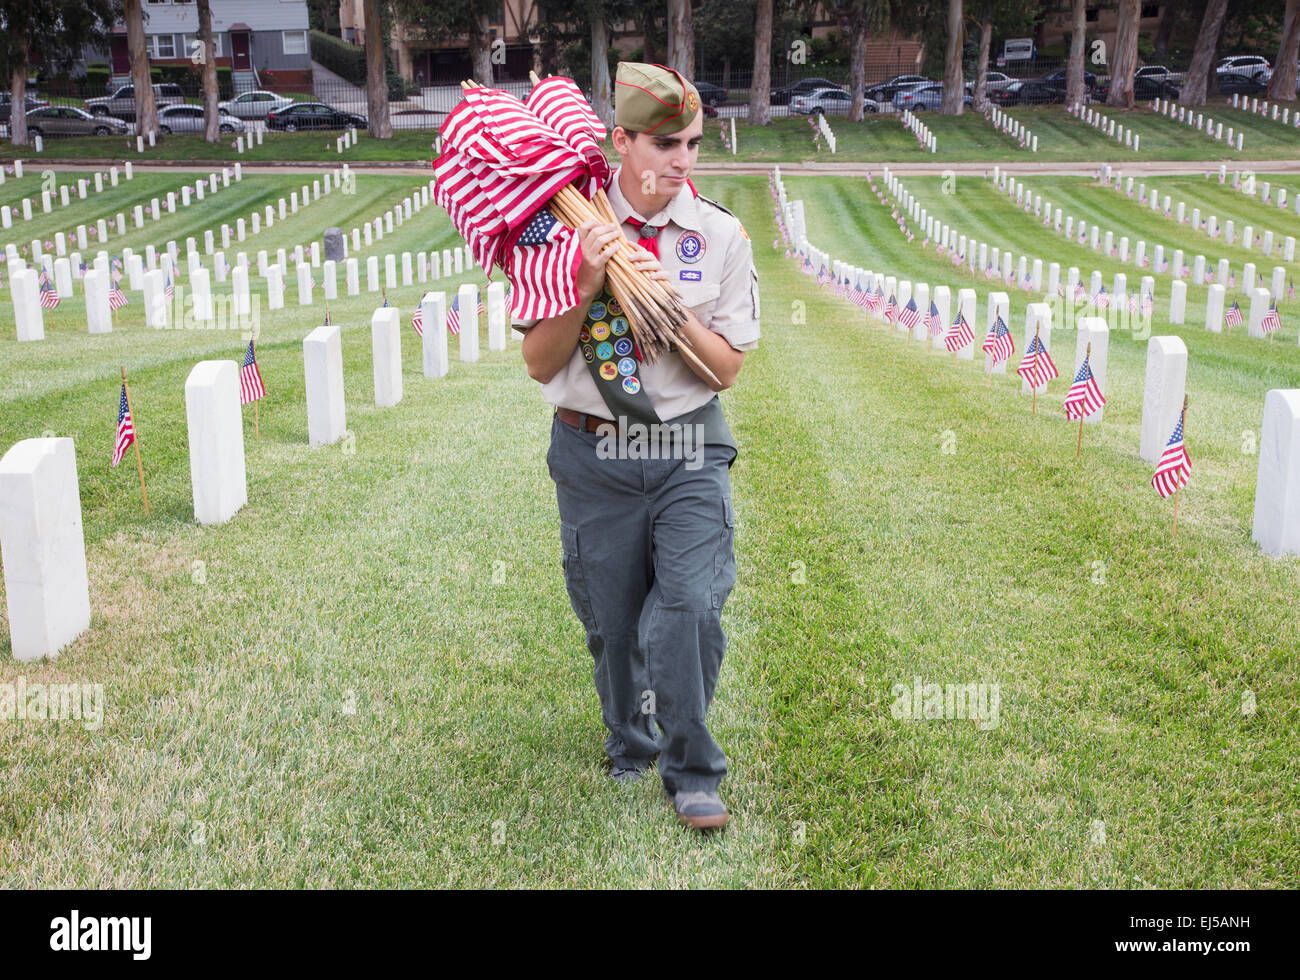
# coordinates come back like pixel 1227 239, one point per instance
pixel 1214 308
pixel 467 299
pixel 352 277
pixel 216 441
pixel 1162 400
pixel 999 304
pixel 201 294
pixel 1259 302
pixel 46 589
pixel 1277 484
pixel 1177 301
pixel 322 355
pixel 386 347
pixel 330 280
pixel 1038 317
pixel 98 316
pixel 433 308
pixel 239 287
pixel 274 288
pixel 1092 330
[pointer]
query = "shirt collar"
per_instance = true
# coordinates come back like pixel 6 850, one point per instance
pixel 682 210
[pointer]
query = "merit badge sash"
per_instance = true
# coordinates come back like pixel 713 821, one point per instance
pixel 614 361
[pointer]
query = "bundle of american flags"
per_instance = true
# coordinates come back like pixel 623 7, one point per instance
pixel 516 177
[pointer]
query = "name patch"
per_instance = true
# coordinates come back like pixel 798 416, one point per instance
pixel 690 275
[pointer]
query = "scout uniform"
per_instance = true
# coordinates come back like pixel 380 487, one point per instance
pixel 647 543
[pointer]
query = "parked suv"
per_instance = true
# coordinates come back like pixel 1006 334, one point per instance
pixel 1248 65
pixel 122 102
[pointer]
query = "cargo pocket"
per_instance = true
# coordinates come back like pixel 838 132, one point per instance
pixel 724 560
pixel 574 578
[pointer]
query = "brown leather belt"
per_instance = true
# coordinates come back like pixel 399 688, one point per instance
pixel 569 417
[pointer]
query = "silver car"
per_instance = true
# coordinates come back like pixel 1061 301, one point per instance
pixel 831 101
pixel 254 105
pixel 189 119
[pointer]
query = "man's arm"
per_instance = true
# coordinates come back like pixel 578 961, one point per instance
pixel 549 343
pixel 711 348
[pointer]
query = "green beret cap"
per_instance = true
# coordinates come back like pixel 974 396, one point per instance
pixel 653 99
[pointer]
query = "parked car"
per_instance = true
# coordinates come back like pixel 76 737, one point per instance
pixel 1249 66
pixel 66 120
pixel 885 91
pixel 831 101
pixel 1266 79
pixel 189 119
pixel 30 102
pixel 806 86
pixel 1144 89
pixel 1057 80
pixel 122 102
pixel 1159 73
pixel 1030 91
pixel 312 115
pixel 256 105
pixel 710 94
pixel 923 97
pixel 994 81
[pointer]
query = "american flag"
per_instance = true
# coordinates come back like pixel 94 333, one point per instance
pixel 933 322
pixel 544 263
pixel 1271 320
pixel 823 277
pixel 250 379
pixel 1174 466
pixel 168 291
pixel 1080 292
pixel 453 314
pixel 1084 397
pixel 990 272
pixel 1102 299
pixel 1233 317
pixel 1036 366
pixel 858 296
pixel 959 334
pixel 891 308
pixel 874 299
pixel 1148 304
pixel 910 315
pixel 998 343
pixel 125 428
pixel 49 295
pixel 116 298
pixel 1132 302
pixel 417 321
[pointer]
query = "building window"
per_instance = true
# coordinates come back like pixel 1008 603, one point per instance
pixel 1150 10
pixel 162 46
pixel 1090 14
pixel 295 42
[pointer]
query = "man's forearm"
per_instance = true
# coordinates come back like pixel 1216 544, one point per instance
pixel 711 348
pixel 549 343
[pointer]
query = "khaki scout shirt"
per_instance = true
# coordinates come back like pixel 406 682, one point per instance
pixel 709 260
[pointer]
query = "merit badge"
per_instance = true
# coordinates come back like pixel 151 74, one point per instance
pixel 584 335
pixel 600 330
pixel 631 385
pixel 627 366
pixel 608 371
pixel 615 308
pixel 597 311
pixel 622 347
pixel 618 325
pixel 690 246
pixel 605 351
pixel 588 353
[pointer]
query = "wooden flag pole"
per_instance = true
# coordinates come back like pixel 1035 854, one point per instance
pixel 1078 444
pixel 135 441
pixel 257 420
pixel 1033 404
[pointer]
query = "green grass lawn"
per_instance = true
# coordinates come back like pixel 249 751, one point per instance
pixel 372 676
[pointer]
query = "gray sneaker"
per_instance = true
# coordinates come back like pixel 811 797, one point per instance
pixel 701 810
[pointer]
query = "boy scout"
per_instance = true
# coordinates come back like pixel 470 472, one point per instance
pixel 647 542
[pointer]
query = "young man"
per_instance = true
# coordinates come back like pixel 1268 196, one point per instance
pixel 646 534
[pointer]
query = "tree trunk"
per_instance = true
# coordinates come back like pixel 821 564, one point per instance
pixel 760 87
pixel 954 83
pixel 980 100
pixel 19 43
pixel 647 24
pixel 210 122
pixel 681 42
pixel 480 48
pixel 857 67
pixel 1168 18
pixel 1075 90
pixel 1124 62
pixel 1207 41
pixel 600 68
pixel 1281 88
pixel 146 106
pixel 378 124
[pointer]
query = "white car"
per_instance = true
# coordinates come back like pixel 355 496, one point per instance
pixel 831 101
pixel 1159 73
pixel 994 81
pixel 254 105
pixel 1249 65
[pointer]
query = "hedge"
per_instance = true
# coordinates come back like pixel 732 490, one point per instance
pixel 348 61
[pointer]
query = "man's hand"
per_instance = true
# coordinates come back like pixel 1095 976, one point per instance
pixel 598 242
pixel 647 264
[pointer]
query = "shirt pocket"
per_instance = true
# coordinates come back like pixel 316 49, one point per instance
pixel 701 297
